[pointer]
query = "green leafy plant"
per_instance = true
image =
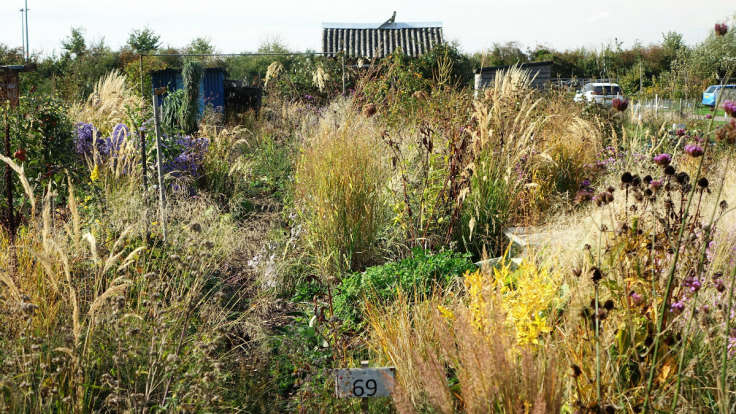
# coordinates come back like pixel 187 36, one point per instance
pixel 416 276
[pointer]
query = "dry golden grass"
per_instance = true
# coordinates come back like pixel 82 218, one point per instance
pixel 438 337
pixel 110 104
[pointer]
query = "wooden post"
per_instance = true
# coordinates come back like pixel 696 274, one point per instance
pixel 9 179
pixel 161 197
pixel 343 73
pixel 140 72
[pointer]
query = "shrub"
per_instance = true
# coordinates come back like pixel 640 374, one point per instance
pixel 415 277
pixel 340 194
pixel 191 76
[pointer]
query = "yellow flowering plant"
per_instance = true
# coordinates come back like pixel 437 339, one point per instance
pixel 527 293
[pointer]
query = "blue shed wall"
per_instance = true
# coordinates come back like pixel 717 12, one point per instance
pixel 211 86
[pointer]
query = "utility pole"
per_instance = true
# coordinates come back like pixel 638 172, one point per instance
pixel 23 30
pixel 28 45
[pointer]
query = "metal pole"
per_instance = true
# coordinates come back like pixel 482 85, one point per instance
pixel 161 198
pixel 28 44
pixel 23 29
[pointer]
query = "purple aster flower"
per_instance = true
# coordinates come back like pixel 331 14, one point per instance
pixel 708 116
pixel 694 150
pixel 663 159
pixel 85 136
pixel 677 307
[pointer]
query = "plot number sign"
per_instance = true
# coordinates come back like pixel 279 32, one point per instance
pixel 364 382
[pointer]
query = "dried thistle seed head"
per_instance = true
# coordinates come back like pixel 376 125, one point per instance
pixel 627 178
pixel 576 371
pixel 610 189
pixel 636 180
pixel 596 274
pixel 608 305
pixel 669 170
pixel 723 205
pixel 647 179
pixel 682 178
pixel 703 183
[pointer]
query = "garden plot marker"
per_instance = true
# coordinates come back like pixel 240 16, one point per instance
pixel 364 382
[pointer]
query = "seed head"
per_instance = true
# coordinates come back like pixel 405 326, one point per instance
pixel 721 29
pixel 596 274
pixel 627 178
pixel 669 170
pixel 703 183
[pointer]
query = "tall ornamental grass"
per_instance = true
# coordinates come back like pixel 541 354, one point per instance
pixel 340 193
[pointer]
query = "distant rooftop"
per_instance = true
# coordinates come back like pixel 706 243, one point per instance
pixel 376 40
pixel 396 25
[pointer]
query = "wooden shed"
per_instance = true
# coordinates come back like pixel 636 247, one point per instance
pixel 376 40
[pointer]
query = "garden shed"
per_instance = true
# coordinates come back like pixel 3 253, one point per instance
pixel 376 40
pixel 541 72
pixel 211 87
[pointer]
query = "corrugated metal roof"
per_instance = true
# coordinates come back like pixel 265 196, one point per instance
pixel 379 40
pixel 396 25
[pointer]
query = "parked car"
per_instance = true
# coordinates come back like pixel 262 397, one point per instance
pixel 600 93
pixel 710 96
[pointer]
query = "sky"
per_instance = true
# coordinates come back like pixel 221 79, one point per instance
pixel 236 25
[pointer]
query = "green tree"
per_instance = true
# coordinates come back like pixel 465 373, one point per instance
pixel 75 44
pixel 144 41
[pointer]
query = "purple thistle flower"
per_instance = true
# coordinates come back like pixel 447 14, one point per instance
pixel 721 29
pixel 708 116
pixel 655 185
pixel 680 132
pixel 663 159
pixel 620 104
pixel 730 107
pixel 694 150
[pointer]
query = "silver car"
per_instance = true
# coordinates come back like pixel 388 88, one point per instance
pixel 600 93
